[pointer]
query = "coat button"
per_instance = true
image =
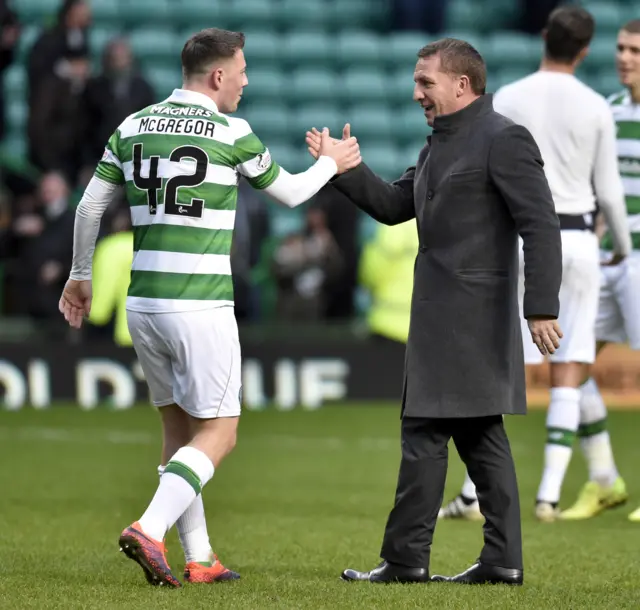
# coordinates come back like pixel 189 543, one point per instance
pixel 429 194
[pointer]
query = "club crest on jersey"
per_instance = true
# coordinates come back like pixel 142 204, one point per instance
pixel 264 160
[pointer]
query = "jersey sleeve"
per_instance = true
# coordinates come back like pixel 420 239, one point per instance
pixel 254 161
pixel 109 168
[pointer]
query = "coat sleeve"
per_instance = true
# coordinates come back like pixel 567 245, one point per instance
pixel 388 203
pixel 516 168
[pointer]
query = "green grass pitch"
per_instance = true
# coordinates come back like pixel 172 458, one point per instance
pixel 304 495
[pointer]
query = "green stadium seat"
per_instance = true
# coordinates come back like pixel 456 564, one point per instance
pixel 246 14
pixel 371 123
pixel 607 84
pixel 609 16
pixel 285 221
pixel 309 85
pixel 156 44
pixel 284 155
pixel 401 50
pixel 307 15
pixel 16 115
pixel 27 38
pixel 199 14
pixel 400 86
pixel 15 81
pixel 270 123
pixel 510 49
pixel 365 13
pixel 265 86
pixel 308 48
pixel 15 145
pixel 602 54
pixel 262 49
pixel 99 38
pixel 465 14
pixel 164 80
pixel 135 14
pixel 410 124
pixel 508 76
pixel 360 84
pixel 359 48
pixel 382 159
pixel 318 116
pixel 105 12
pixel 41 12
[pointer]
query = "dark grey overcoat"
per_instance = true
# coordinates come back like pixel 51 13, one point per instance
pixel 477 184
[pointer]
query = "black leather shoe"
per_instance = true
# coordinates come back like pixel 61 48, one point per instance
pixel 482 574
pixel 388 572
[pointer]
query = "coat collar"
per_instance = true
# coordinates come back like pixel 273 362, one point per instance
pixel 184 96
pixel 450 123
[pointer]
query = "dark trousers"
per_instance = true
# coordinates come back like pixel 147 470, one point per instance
pixel 484 448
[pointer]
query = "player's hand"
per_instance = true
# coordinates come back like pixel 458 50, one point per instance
pixel 75 302
pixel 616 259
pixel 546 334
pixel 314 137
pixel 346 153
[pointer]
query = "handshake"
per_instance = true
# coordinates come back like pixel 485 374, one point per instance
pixel 345 152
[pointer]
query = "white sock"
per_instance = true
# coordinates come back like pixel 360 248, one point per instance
pixel 563 418
pixel 192 531
pixel 469 488
pixel 186 473
pixel 594 437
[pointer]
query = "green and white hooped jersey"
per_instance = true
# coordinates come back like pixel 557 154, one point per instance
pixel 627 117
pixel 179 162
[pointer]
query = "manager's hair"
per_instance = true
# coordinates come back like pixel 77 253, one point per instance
pixel 460 58
pixel 569 31
pixel 207 47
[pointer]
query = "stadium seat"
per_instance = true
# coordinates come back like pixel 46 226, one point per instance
pixel 507 76
pixel 359 49
pixel 400 88
pixel 465 14
pixel 106 12
pixel 156 44
pixel 134 14
pixel 365 13
pixel 265 85
pixel 308 48
pixel 37 12
pixel 410 124
pixel 607 83
pixel 609 16
pixel 16 115
pixel 164 80
pixel 15 81
pixel 198 14
pixel 602 54
pixel 247 14
pixel 382 159
pixel 262 49
pixel 512 49
pixel 285 221
pixel 307 15
pixel 309 85
pixel 270 123
pixel 371 124
pixel 401 50
pixel 361 84
pixel 284 155
pixel 318 116
pixel 27 38
pixel 99 38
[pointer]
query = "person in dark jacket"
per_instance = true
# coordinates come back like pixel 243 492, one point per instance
pixel 477 184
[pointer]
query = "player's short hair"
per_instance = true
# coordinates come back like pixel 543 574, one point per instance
pixel 207 47
pixel 633 26
pixel 460 58
pixel 569 30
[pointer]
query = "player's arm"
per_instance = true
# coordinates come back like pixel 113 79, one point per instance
pixel 254 161
pixel 608 186
pixel 95 200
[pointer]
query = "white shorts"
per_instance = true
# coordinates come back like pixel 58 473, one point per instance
pixel 579 293
pixel 618 318
pixel 191 359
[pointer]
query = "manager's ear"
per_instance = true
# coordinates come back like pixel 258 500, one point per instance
pixel 464 85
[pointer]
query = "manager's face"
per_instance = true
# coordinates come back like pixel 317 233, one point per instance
pixel 436 91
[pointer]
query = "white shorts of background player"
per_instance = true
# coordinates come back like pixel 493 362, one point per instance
pixel 191 359
pixel 579 295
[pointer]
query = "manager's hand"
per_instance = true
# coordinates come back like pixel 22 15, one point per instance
pixel 546 334
pixel 314 138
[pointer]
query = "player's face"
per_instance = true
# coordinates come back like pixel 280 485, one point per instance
pixel 234 80
pixel 628 58
pixel 436 91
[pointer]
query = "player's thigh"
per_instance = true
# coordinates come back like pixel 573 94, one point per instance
pixel 610 322
pixel 579 296
pixel 154 358
pixel 207 364
pixel 627 290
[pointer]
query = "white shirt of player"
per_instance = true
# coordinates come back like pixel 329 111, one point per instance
pixel 575 132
